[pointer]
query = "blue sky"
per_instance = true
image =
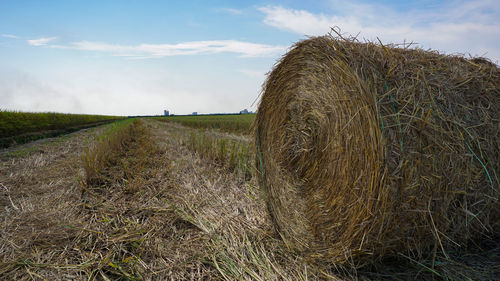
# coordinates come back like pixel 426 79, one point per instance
pixel 141 57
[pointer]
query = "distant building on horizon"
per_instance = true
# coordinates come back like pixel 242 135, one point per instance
pixel 194 113
pixel 244 111
pixel 166 113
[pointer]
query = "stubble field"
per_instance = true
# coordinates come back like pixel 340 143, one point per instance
pixel 164 199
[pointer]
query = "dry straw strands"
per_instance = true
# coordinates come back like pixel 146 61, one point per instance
pixel 366 150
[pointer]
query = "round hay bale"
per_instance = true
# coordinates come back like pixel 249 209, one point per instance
pixel 366 150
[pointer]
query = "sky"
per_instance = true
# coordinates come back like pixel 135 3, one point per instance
pixel 142 57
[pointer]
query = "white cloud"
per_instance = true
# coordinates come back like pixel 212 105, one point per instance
pixel 304 22
pixel 231 11
pixel 245 49
pixel 10 36
pixel 457 27
pixel 41 41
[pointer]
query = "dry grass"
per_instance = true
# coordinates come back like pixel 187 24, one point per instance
pixel 236 155
pixel 368 151
pixel 190 218
pixel 234 123
pixel 242 244
pixel 123 148
pixel 50 230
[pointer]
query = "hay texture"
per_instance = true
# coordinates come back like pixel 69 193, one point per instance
pixel 366 150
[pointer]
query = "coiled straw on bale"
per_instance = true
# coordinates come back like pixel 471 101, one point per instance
pixel 366 150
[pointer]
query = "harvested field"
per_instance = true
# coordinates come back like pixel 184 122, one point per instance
pixel 235 123
pixel 369 151
pixel 174 215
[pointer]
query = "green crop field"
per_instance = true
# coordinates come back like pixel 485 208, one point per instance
pixel 19 127
pixel 235 123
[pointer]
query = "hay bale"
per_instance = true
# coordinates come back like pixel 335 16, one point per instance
pixel 367 150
